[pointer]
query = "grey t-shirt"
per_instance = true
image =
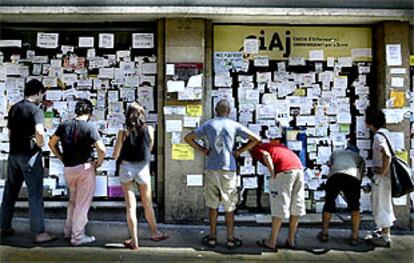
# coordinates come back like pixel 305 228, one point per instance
pixel 346 162
pixel 221 133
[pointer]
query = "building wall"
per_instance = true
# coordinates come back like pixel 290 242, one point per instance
pixel 184 42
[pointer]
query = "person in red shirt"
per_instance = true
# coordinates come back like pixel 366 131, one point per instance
pixel 287 194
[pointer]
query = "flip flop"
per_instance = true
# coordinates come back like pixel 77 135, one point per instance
pixel 262 243
pixel 161 237
pixel 236 243
pixel 211 242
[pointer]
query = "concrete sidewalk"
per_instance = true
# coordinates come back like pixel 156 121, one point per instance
pixel 184 246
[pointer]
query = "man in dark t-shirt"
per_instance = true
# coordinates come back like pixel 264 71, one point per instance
pixel 77 138
pixel 25 124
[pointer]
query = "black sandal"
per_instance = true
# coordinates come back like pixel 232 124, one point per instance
pixel 322 237
pixel 211 242
pixel 234 243
pixel 262 243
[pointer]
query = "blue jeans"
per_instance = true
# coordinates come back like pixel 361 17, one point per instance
pixel 19 170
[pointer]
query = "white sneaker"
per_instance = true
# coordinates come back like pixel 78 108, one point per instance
pixel 83 240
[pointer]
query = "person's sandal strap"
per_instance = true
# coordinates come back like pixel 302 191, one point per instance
pixel 323 237
pixel 234 243
pixel 209 241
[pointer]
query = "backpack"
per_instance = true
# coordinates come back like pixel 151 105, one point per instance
pixel 402 180
pixel 135 146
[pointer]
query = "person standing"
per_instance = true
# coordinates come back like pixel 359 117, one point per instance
pixel 77 138
pixel 382 207
pixel 345 174
pixel 133 151
pixel 26 131
pixel 220 176
pixel 287 194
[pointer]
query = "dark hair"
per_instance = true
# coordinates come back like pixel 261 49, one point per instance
pixel 375 118
pixel 83 106
pixel 33 87
pixel 135 118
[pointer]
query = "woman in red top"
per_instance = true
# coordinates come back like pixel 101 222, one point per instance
pixel 287 195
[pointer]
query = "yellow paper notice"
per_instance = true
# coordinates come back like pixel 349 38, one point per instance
pixel 183 152
pixel 195 110
pixel 398 98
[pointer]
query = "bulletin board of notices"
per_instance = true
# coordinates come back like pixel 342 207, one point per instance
pixel 314 103
pixel 111 68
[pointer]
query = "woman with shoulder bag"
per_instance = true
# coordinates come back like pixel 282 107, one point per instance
pixel 133 151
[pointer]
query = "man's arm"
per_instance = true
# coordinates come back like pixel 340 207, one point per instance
pixel 54 147
pixel 39 133
pixel 267 159
pixel 100 148
pixel 253 140
pixel 190 139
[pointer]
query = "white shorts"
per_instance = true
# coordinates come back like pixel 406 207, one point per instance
pixel 137 171
pixel 287 194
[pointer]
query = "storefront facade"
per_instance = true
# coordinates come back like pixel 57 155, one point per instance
pixel 319 70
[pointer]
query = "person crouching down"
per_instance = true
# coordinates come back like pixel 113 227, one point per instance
pixel 346 171
pixel 287 194
pixel 77 138
pixel 133 150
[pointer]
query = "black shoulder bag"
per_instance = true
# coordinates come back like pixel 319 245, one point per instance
pixel 402 181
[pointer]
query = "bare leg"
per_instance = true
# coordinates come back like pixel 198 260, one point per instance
pixel 276 224
pixel 131 210
pixel 146 199
pixel 230 225
pixel 326 218
pixel 355 224
pixel 293 226
pixel 213 222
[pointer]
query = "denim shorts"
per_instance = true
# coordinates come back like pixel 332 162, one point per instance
pixel 135 171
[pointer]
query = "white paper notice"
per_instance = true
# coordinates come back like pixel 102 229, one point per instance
pixel 191 122
pixel 398 71
pixel 170 70
pixel 173 125
pixel 86 42
pixel 250 182
pixel 10 43
pixel 106 40
pixel 393 55
pixel 142 40
pixel 251 46
pixel 194 180
pixel 330 62
pixel 316 55
pixel 195 81
pixel 47 40
pixel 397 82
pixel 101 189
pixel 175 85
pixel 400 201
